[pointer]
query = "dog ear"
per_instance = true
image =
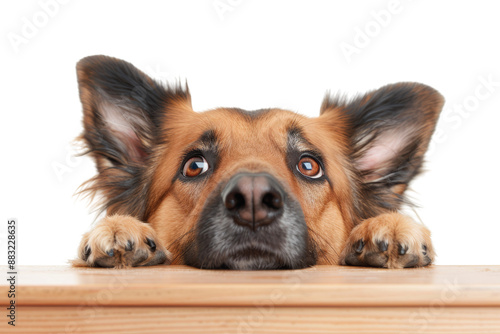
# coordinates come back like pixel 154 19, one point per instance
pixel 123 110
pixel 389 131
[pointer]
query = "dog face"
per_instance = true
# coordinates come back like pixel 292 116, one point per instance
pixel 249 189
pixel 264 189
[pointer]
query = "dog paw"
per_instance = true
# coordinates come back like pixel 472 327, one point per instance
pixel 121 241
pixel 390 240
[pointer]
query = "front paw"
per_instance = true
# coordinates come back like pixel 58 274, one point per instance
pixel 121 241
pixel 390 240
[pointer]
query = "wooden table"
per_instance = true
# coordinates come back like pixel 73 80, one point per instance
pixel 322 299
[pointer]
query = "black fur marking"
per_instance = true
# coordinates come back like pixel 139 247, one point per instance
pixel 140 101
pixel 206 146
pixel 294 152
pixel 408 108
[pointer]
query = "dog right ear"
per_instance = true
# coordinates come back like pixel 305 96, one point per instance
pixel 123 110
pixel 123 114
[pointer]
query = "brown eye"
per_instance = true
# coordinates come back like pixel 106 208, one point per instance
pixel 309 167
pixel 195 166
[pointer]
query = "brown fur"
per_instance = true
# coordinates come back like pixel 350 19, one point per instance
pixel 348 208
pixel 269 131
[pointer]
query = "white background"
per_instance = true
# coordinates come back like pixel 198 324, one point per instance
pixel 252 54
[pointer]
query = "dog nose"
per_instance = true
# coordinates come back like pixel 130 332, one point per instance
pixel 253 200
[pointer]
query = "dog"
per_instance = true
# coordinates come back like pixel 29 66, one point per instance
pixel 251 190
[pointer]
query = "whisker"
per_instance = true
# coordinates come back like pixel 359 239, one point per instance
pixel 178 240
pixel 326 242
pixel 187 249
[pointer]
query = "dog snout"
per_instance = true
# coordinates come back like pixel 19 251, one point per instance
pixel 253 199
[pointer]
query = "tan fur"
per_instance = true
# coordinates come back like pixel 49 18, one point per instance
pixel 138 153
pixel 397 230
pixel 253 147
pixel 176 208
pixel 113 232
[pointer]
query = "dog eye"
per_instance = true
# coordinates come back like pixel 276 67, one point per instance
pixel 195 166
pixel 309 167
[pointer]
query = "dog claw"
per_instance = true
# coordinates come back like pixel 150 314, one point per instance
pixel 129 246
pixel 390 240
pixel 383 245
pixel 359 246
pixel 87 252
pixel 402 250
pixel 151 244
pixel 121 242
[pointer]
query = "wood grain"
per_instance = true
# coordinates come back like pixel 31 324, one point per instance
pixel 322 299
pixel 317 286
pixel 239 320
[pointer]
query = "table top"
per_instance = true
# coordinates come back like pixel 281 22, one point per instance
pixel 315 286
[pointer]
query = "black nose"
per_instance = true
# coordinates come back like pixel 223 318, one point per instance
pixel 253 200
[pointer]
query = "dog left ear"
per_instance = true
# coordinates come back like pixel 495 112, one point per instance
pixel 389 130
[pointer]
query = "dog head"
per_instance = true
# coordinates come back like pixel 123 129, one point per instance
pixel 264 189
